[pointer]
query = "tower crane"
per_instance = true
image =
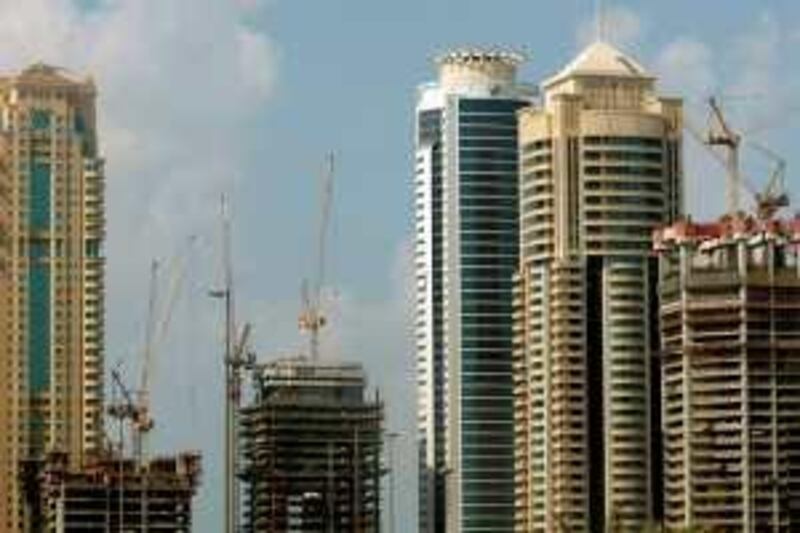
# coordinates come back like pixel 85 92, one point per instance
pixel 237 358
pixel 311 318
pixel 158 323
pixel 773 196
pixel 723 135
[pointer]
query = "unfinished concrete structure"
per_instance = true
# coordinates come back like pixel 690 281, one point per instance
pixel 730 328
pixel 600 170
pixel 312 446
pixel 112 495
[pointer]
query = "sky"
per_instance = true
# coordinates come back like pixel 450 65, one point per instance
pixel 245 97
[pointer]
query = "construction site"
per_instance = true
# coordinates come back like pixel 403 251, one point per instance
pixel 730 319
pixel 120 488
pixel 730 332
pixel 113 494
pixel 312 449
pixel 301 433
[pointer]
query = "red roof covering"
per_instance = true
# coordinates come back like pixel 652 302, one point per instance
pixel 726 227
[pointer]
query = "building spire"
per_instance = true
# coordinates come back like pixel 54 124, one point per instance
pixel 600 20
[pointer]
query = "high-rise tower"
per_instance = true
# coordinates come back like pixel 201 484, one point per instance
pixel 730 317
pixel 51 276
pixel 600 169
pixel 466 253
pixel 312 443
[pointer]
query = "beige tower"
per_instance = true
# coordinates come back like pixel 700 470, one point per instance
pixel 730 325
pixel 52 283
pixel 600 169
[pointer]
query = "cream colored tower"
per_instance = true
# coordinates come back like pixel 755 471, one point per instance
pixel 730 310
pixel 52 284
pixel 600 169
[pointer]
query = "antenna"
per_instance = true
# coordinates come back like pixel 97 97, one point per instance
pixel 600 20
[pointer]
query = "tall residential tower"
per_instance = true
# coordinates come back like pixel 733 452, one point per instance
pixel 51 276
pixel 730 326
pixel 600 169
pixel 466 253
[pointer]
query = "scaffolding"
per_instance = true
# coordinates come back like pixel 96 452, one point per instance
pixel 112 494
pixel 312 450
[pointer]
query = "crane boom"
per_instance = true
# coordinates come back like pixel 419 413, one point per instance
pixel 773 197
pixel 768 200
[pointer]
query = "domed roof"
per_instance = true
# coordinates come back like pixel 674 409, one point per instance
pixel 601 59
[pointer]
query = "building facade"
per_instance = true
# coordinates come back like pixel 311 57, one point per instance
pixel 600 169
pixel 52 276
pixel 730 330
pixel 312 449
pixel 466 251
pixel 112 494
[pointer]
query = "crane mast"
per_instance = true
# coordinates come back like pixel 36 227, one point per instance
pixel 768 200
pixel 144 422
pixel 237 358
pixel 312 320
pixel 724 136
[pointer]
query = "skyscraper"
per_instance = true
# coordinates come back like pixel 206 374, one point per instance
pixel 730 318
pixel 51 276
pixel 600 169
pixel 466 252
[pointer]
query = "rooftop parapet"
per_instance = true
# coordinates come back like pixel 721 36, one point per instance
pixel 478 67
pixel 725 231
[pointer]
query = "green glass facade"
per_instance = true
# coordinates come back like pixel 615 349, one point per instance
pixel 488 242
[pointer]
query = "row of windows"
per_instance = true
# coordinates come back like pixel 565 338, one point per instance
pixel 486 131
pixel 623 200
pixel 503 120
pixel 508 143
pixel 624 141
pixel 622 186
pixel 597 170
pixel 482 165
pixel 490 105
pixel 617 155
pixel 489 202
pixel 489 188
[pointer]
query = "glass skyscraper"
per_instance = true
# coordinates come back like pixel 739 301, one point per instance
pixel 466 217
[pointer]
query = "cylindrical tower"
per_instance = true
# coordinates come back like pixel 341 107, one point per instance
pixel 466 252
pixel 600 169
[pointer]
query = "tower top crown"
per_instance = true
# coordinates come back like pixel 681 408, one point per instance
pixel 601 59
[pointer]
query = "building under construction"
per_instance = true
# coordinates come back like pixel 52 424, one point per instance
pixel 311 447
pixel 730 329
pixel 113 495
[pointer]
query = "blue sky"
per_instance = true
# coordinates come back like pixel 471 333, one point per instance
pixel 246 96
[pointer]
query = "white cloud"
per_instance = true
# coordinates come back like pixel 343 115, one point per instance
pixel 256 61
pixel 619 25
pixel 754 74
pixel 685 66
